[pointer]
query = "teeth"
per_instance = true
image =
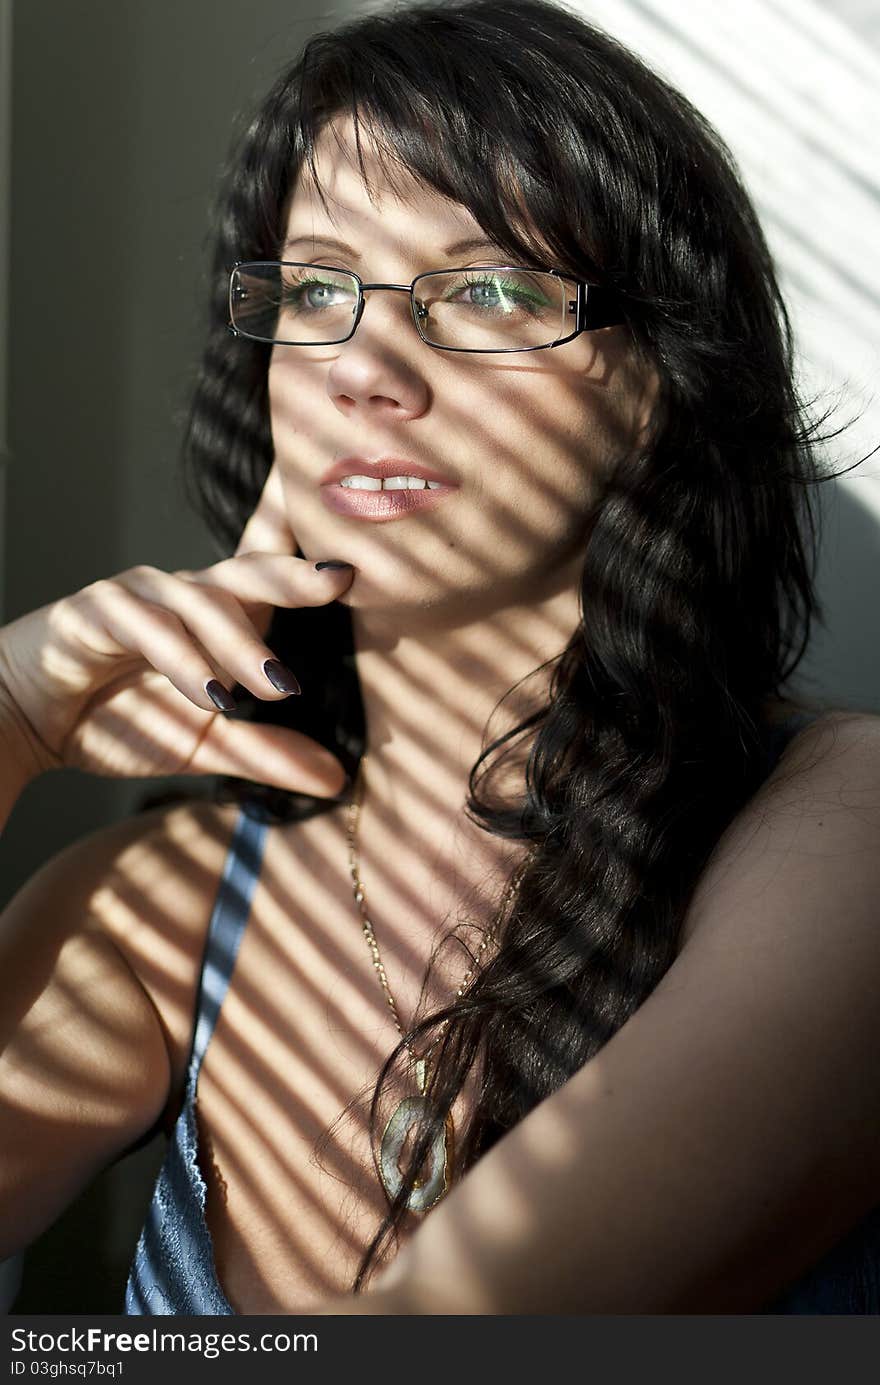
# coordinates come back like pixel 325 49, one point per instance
pixel 404 483
pixel 362 483
pixel 391 483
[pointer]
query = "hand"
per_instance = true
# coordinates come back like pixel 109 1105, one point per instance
pixel 112 679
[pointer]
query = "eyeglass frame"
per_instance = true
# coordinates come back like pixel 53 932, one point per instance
pixel 607 309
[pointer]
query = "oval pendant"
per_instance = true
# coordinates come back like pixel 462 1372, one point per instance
pixel 431 1188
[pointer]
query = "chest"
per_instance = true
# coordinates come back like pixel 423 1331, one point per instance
pixel 304 1029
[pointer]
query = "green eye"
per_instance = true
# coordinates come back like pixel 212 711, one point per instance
pixel 314 295
pixel 492 293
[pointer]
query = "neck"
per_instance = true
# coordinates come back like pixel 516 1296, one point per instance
pixel 429 696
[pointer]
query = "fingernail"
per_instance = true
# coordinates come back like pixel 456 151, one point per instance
pixel 281 677
pixel 220 696
pixel 332 563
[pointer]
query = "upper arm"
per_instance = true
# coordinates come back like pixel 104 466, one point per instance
pixel 729 1133
pixel 99 957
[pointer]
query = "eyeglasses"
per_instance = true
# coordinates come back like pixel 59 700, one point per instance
pixel 483 308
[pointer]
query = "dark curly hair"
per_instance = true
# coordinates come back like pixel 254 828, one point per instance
pixel 698 581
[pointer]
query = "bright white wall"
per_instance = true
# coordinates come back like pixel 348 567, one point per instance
pixel 794 88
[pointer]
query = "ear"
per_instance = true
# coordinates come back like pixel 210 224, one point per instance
pixel 268 529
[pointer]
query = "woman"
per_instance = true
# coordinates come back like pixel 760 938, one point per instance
pixel 497 418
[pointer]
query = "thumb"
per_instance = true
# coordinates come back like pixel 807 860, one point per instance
pixel 268 529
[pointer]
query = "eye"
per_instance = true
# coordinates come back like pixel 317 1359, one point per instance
pixel 315 294
pixel 500 294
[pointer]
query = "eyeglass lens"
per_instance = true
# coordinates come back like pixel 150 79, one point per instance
pixel 480 308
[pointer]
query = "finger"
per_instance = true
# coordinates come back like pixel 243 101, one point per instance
pixel 268 529
pixel 219 625
pixel 269 755
pixel 258 579
pixel 158 635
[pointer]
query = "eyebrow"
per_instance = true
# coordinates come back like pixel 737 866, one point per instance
pixel 458 247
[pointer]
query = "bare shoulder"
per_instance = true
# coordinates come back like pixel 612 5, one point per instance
pixel 816 814
pixel 143 886
pixel 831 733
pixel 831 770
pixel 152 882
pixel 99 955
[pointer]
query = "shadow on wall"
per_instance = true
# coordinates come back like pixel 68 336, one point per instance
pixel 843 663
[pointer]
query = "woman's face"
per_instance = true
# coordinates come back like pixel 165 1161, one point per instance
pixel 519 438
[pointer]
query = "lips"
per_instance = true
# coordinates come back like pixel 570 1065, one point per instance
pixel 382 505
pixel 381 469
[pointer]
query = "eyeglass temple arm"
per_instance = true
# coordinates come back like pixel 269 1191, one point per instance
pixel 595 306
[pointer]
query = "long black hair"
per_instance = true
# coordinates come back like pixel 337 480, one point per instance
pixel 697 588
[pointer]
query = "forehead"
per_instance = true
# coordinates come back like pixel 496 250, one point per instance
pixel 368 197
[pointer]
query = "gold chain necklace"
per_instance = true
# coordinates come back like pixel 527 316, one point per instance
pixel 411 1111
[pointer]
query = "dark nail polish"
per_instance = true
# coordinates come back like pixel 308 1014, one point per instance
pixel 220 696
pixel 281 677
pixel 332 563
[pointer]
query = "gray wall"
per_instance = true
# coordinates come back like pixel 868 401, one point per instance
pixel 122 115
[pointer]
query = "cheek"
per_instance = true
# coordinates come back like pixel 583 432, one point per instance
pixel 552 435
pixel 532 465
pixel 297 404
pixel 280 394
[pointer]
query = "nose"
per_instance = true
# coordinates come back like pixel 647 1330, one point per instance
pixel 378 370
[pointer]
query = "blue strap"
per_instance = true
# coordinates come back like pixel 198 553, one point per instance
pixel 230 915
